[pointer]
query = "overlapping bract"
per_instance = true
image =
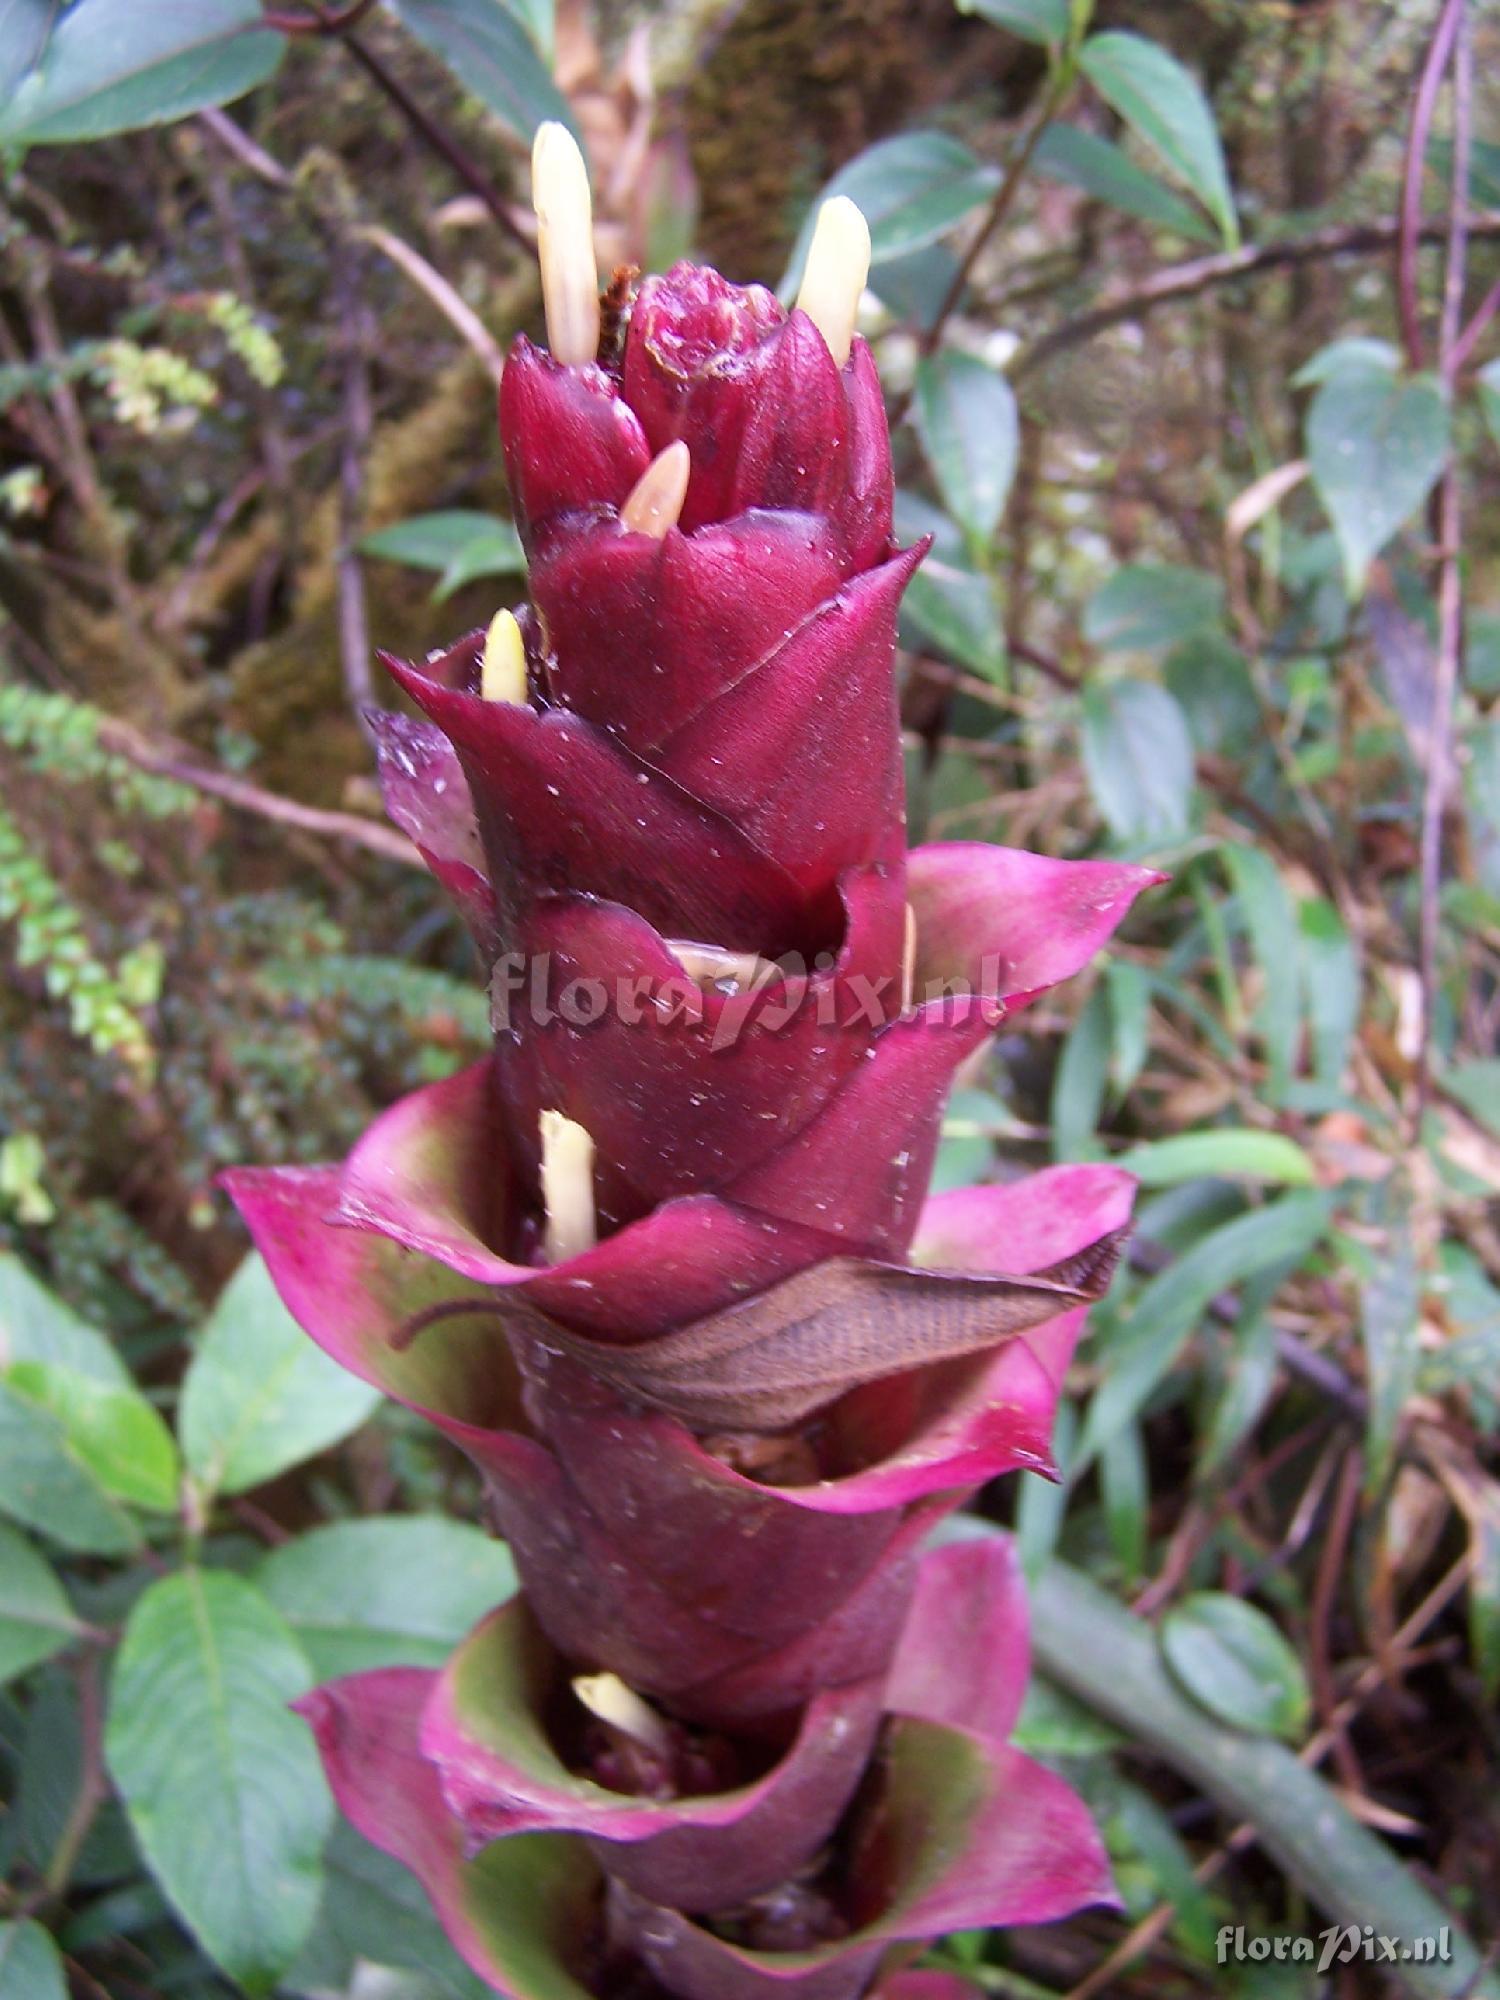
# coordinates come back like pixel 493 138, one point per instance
pixel 718 1439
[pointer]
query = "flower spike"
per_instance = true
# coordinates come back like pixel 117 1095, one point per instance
pixel 502 665
pixel 616 1703
pixel 838 262
pixel 565 244
pixel 654 504
pixel 567 1187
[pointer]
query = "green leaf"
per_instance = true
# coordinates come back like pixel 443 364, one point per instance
pixel 1032 20
pixel 1231 1154
pixel 948 604
pixel 1079 1082
pixel 1271 921
pixel 1230 1658
pixel 1249 1376
pixel 1164 103
pixel 497 553
pixel 1390 1309
pixel 1052 1724
pixel 24 28
pixel 912 190
pixel 1148 607
pixel 1139 759
pixel 35 1325
pixel 36 1619
pixel 492 56
pixel 113 1432
pixel 437 541
pixel 398 1591
pixel 1168 1309
pixel 1377 444
pixel 1488 381
pixel 115 65
pixel 259 1396
pixel 47 1484
pixel 376 1910
pixel 221 1780
pixel 1129 1022
pixel 1331 986
pixel 966 418
pixel 1355 353
pixel 1102 1655
pixel 1083 160
pixel 1125 1488
pixel 1211 680
pixel 1484 1583
pixel 30 1965
pixel 1476 1085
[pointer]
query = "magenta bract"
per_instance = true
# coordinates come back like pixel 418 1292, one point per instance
pixel 719 1436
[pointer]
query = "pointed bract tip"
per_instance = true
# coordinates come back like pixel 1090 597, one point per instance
pixel 502 665
pixel 833 281
pixel 565 244
pixel 567 1187
pixel 655 501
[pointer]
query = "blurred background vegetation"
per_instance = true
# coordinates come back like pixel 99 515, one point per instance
pixel 1213 478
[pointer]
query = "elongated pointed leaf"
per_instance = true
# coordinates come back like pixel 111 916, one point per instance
pixel 36 1619
pixel 30 1965
pixel 113 65
pixel 113 1431
pixel 912 190
pixel 1230 1657
pixel 1083 160
pixel 258 1396
pixel 220 1779
pixel 1032 20
pixel 398 1591
pixel 966 418
pixel 1139 759
pixel 1165 104
pixel 492 56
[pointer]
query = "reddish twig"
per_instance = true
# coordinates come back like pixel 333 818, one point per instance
pixel 436 138
pixel 317 22
pixel 1420 133
pixel 1473 333
pixel 164 762
pixel 1449 518
pixel 1202 274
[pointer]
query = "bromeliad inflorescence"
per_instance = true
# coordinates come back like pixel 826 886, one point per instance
pixel 662 1263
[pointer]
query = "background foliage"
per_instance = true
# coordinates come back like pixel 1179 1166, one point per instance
pixel 1186 315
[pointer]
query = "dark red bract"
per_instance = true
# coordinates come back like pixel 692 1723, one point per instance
pixel 719 1438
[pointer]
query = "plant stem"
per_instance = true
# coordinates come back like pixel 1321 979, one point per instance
pixel 1201 274
pixel 1004 201
pixel 436 138
pixel 1092 1647
pixel 1408 241
pixel 1448 514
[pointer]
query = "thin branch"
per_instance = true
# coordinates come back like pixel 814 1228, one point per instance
pixel 1202 274
pixel 470 328
pixel 244 148
pixel 1449 515
pixel 437 139
pixel 1005 196
pixel 164 761
pixel 354 624
pixel 1420 132
pixel 1473 333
